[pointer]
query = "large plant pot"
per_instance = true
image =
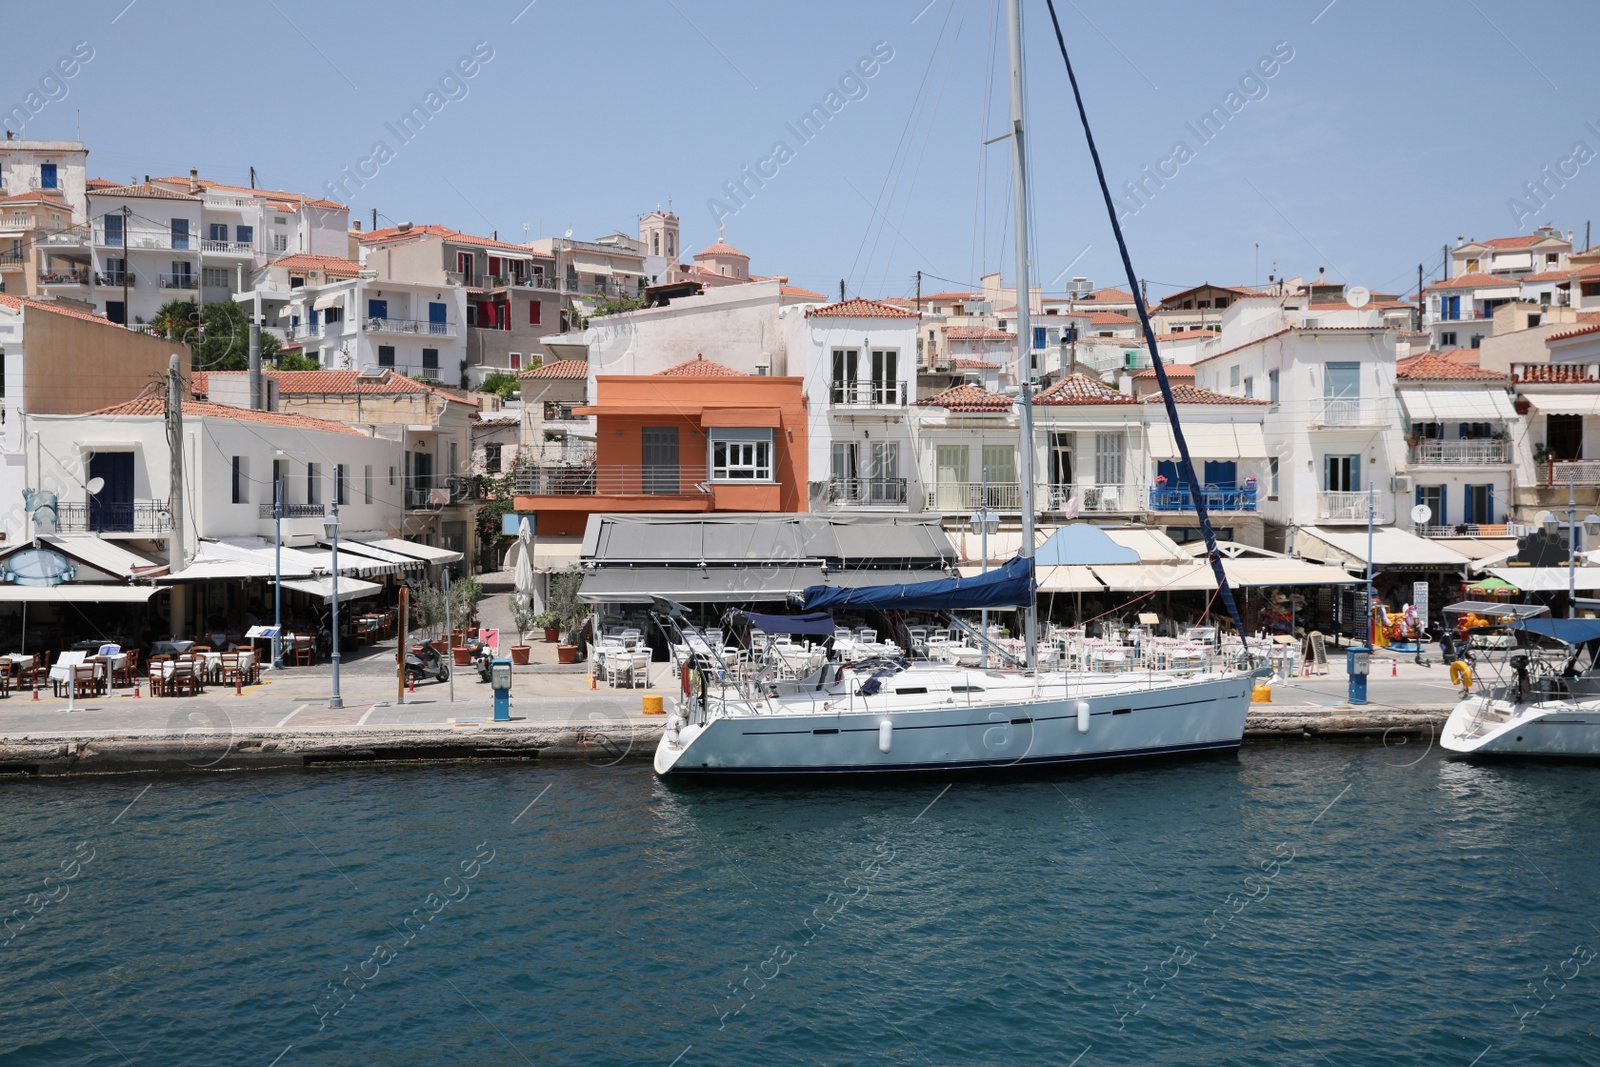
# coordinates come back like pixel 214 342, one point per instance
pixel 520 654
pixel 552 634
pixel 463 656
pixel 566 653
pixel 442 647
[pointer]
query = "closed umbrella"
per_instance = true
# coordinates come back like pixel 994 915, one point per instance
pixel 522 578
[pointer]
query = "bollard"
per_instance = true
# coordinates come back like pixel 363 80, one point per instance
pixel 1394 668
pixel 238 685
pixel 36 688
pixel 136 689
pixel 591 679
pixel 411 683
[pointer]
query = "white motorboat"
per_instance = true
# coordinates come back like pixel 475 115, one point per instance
pixel 1545 706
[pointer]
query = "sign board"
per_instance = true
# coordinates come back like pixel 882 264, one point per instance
pixel 511 523
pixel 1419 600
pixel 490 638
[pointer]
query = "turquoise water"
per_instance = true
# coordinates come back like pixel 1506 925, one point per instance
pixel 1318 905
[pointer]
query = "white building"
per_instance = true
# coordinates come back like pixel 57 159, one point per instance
pixel 57 168
pixel 1462 440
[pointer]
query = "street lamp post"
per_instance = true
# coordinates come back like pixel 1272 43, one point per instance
pixel 277 573
pixel 330 527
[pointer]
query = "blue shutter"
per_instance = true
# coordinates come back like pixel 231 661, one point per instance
pixel 1038 337
pixel 1444 509
pixel 377 309
pixel 1489 508
pixel 1222 473
pixel 1355 474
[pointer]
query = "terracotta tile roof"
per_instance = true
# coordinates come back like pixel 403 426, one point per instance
pixel 962 363
pixel 1190 394
pixel 1546 276
pixel 1578 331
pixel 561 368
pixel 1108 295
pixel 1553 373
pixel 429 229
pixel 979 333
pixel 1175 370
pixel 1589 316
pixel 346 382
pixel 1238 290
pixel 290 201
pixel 720 248
pixel 967 398
pixel 36 196
pixel 945 298
pixel 1076 389
pixel 200 384
pixel 1104 318
pixel 153 403
pixel 17 303
pixel 701 367
pixel 795 290
pixel 860 308
pixel 99 183
pixel 1472 281
pixel 1503 243
pixel 1444 366
pixel 146 190
pixel 333 266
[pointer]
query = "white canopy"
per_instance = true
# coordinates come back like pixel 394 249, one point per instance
pixel 1491 404
pixel 427 553
pixel 1548 579
pixel 1067 578
pixel 349 588
pixel 103 555
pixel 1586 403
pixel 1246 571
pixel 1242 440
pixel 1153 546
pixel 328 300
pixel 71 593
pixel 1172 578
pixel 1391 547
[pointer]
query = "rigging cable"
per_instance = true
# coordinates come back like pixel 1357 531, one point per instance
pixel 1186 465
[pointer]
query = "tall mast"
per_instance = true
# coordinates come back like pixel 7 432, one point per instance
pixel 1019 180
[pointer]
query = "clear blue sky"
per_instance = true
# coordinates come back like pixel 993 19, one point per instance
pixel 1393 128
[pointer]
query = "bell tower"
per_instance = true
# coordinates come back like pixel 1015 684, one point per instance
pixel 658 233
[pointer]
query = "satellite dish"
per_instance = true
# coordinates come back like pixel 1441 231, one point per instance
pixel 1359 296
pixel 1421 514
pixel 569 233
pixel 95 485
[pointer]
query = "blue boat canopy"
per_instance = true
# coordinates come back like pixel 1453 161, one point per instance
pixel 811 624
pixel 1568 631
pixel 1009 586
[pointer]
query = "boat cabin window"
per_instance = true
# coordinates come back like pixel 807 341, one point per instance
pixel 966 689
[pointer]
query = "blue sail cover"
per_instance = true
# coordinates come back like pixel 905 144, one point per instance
pixel 811 624
pixel 1568 631
pixel 1009 586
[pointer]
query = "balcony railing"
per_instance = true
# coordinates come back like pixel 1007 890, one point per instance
pixel 219 201
pixel 1097 497
pixel 867 492
pixel 1340 411
pixel 1217 498
pixel 295 511
pixel 135 516
pixel 1478 452
pixel 229 248
pixel 612 480
pixel 1471 529
pixel 116 278
pixel 178 281
pixel 1348 507
pixel 420 327
pixel 1577 471
pixel 969 496
pixel 867 394
pixel 11 259
pixel 64 277
pixel 72 238
pixel 444 491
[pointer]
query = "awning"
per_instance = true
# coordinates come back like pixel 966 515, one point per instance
pixel 1490 404
pixel 426 553
pixel 1143 577
pixel 1587 403
pixel 590 264
pixel 349 588
pixel 104 555
pixel 1245 572
pixel 1067 578
pixel 71 593
pixel 241 558
pixel 328 300
pixel 1391 547
pixel 363 548
pixel 1153 546
pixel 696 585
pixel 352 563
pixel 1209 441
pixel 1548 579
pixel 740 418
pixel 1480 548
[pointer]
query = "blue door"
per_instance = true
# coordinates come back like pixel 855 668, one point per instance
pixel 437 317
pixel 377 309
pixel 112 507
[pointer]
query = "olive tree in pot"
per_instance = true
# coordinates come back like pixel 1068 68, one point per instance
pixel 550 623
pixel 523 618
pixel 428 604
pixel 568 610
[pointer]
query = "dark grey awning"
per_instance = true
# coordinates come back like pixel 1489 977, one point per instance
pixel 731 585
pixel 791 540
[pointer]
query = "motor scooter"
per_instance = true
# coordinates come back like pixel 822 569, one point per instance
pixel 424 661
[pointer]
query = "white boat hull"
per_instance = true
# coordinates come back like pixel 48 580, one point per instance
pixel 1165 716
pixel 1480 725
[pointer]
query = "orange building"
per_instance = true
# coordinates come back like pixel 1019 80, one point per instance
pixel 697 437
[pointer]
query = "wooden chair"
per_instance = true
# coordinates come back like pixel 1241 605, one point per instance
pixel 130 669
pixel 184 678
pixel 230 669
pixel 301 652
pixel 158 679
pixel 202 648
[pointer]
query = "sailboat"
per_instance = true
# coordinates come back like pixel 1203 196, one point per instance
pixel 883 716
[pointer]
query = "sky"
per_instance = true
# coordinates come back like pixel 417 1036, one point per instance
pixel 1361 138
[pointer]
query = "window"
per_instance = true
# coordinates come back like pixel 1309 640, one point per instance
pixel 339 494
pixel 844 471
pixel 366 484
pixel 1000 471
pixel 491 458
pixel 1448 337
pixel 386 355
pixel 113 230
pixel 1477 340
pixel 241 480
pixel 430 359
pixel 1564 436
pixel 280 242
pixel 1249 387
pixel 280 486
pixel 1272 386
pixel 1552 258
pixel 47 176
pixel 1039 338
pixel 845 362
pixel 1450 308
pixel 1272 477
pixel 313 492
pixel 1108 452
pixel 1341 380
pixel 885 379
pixel 180 234
pixel 116 312
pixel 377 309
pixel 214 277
pixel 245 235
pixel 1478 507
pixel 516 361
pixel 217 231
pixel 1342 474
pixel 333 315
pixel 741 455
pixel 391 475
pixel 280 220
pixel 535 316
pixel 115 270
pixel 1233 377
pixel 438 317
pixel 1434 497
pixel 182 275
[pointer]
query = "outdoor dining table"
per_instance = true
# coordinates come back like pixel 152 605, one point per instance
pixel 212 663
pixel 171 648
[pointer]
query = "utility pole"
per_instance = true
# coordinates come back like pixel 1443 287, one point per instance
pixel 1419 296
pixel 252 177
pixel 127 317
pixel 919 292
pixel 841 290
pixel 1445 270
pixel 1144 290
pixel 1586 224
pixel 256 402
pixel 176 554
pixel 374 220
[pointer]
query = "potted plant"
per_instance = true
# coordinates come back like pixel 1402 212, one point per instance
pixel 429 605
pixel 522 617
pixel 550 623
pixel 569 611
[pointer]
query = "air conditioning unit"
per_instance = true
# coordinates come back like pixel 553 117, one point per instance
pixel 1401 483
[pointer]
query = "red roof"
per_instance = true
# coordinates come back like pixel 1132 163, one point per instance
pixel 276 195
pixel 945 298
pixel 1473 281
pixel 967 398
pixel 36 196
pixel 146 190
pixel 333 266
pixel 1503 243
pixel 1104 318
pixel 701 367
pixel 429 229
pixel 1189 394
pixel 1547 276
pixel 860 308
pixel 1578 332
pixel 1458 364
pixel 1077 389
pixel 347 382
pixel 16 303
pixel 979 333
pixel 720 249
pixel 962 363
pixel 155 403
pixel 1175 370
pixel 561 368
pixel 795 290
pixel 1108 295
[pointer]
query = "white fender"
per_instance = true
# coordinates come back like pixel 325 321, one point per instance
pixel 1083 716
pixel 885 735
pixel 674 724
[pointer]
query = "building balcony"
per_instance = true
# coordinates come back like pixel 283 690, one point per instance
pixel 294 511
pixel 592 480
pixel 64 277
pixel 1100 497
pixel 117 278
pixel 867 394
pixel 228 248
pixel 967 497
pixel 1559 472
pixel 178 281
pixel 75 237
pixel 1479 452
pixel 1471 529
pixel 867 492
pixel 1344 507
pixel 1351 411
pixel 413 327
pixel 1217 498
pixel 443 493
pixel 160 241
pixel 231 203
pixel 134 516
pixel 12 260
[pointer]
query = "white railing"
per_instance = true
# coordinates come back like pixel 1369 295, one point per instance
pixel 421 327
pixel 1472 453
pixel 890 394
pixel 1576 471
pixel 73 238
pixel 232 248
pixel 1351 411
pixel 213 200
pixel 1348 507
pixel 1096 497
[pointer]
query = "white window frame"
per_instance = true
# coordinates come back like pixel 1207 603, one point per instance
pixel 741 456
